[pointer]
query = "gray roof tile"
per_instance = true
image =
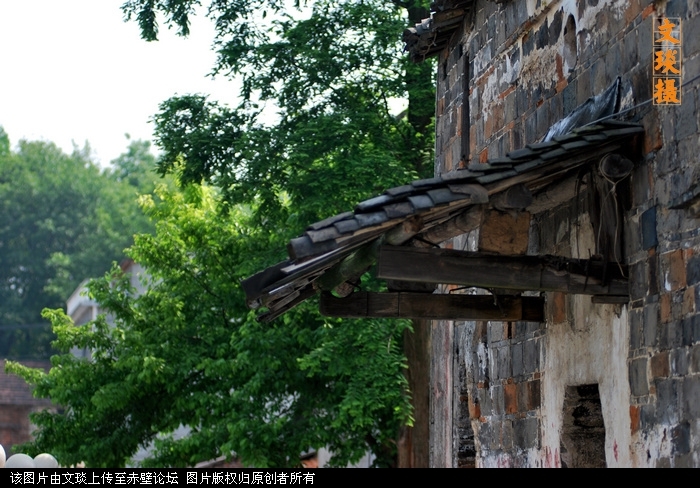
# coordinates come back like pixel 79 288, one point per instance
pixel 374 218
pixel 524 153
pixel 490 178
pixel 421 202
pixel 427 182
pixel 374 203
pixel 398 210
pixel 553 154
pixel 346 226
pixel 330 220
pixel 400 190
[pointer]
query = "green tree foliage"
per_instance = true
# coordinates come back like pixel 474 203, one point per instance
pixel 330 71
pixel 62 220
pixel 187 352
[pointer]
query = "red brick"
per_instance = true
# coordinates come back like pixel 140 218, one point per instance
pixel 497 114
pixel 504 233
pixel 484 156
pixel 562 82
pixel 488 127
pixel 474 410
pixel 665 307
pixel 472 139
pixel 481 334
pixel 557 307
pixel 510 394
pixel 673 268
pixel 633 9
pixel 660 365
pixel 448 160
pixel 652 133
pixel 634 418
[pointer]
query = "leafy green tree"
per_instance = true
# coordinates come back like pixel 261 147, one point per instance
pixel 188 352
pixel 61 220
pixel 4 143
pixel 330 71
pixel 135 167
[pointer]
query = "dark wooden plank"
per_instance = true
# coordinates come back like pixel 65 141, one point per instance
pixel 540 273
pixel 271 315
pixel 254 286
pixel 464 222
pixel 433 307
pixel 354 266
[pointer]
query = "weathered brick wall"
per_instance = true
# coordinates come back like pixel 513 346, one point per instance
pixel 516 61
pixel 663 248
pixel 506 400
pixel 15 427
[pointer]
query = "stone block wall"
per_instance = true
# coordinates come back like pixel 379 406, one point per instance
pixel 521 75
pixel 505 364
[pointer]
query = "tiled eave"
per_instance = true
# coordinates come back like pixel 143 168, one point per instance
pixel 434 201
pixel 431 35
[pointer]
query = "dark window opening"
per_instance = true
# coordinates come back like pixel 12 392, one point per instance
pixel 583 430
pixel 570 48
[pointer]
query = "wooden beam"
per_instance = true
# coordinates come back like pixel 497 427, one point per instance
pixel 465 221
pixel 610 299
pixel 536 273
pixel 517 197
pixel 433 307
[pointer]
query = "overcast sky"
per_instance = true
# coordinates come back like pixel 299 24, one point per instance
pixel 74 71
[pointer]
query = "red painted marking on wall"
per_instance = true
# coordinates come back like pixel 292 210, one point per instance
pixel 547 457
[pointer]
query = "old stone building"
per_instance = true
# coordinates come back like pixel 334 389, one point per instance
pixel 561 323
pixel 595 384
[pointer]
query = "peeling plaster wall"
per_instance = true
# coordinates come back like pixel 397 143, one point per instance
pixel 592 349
